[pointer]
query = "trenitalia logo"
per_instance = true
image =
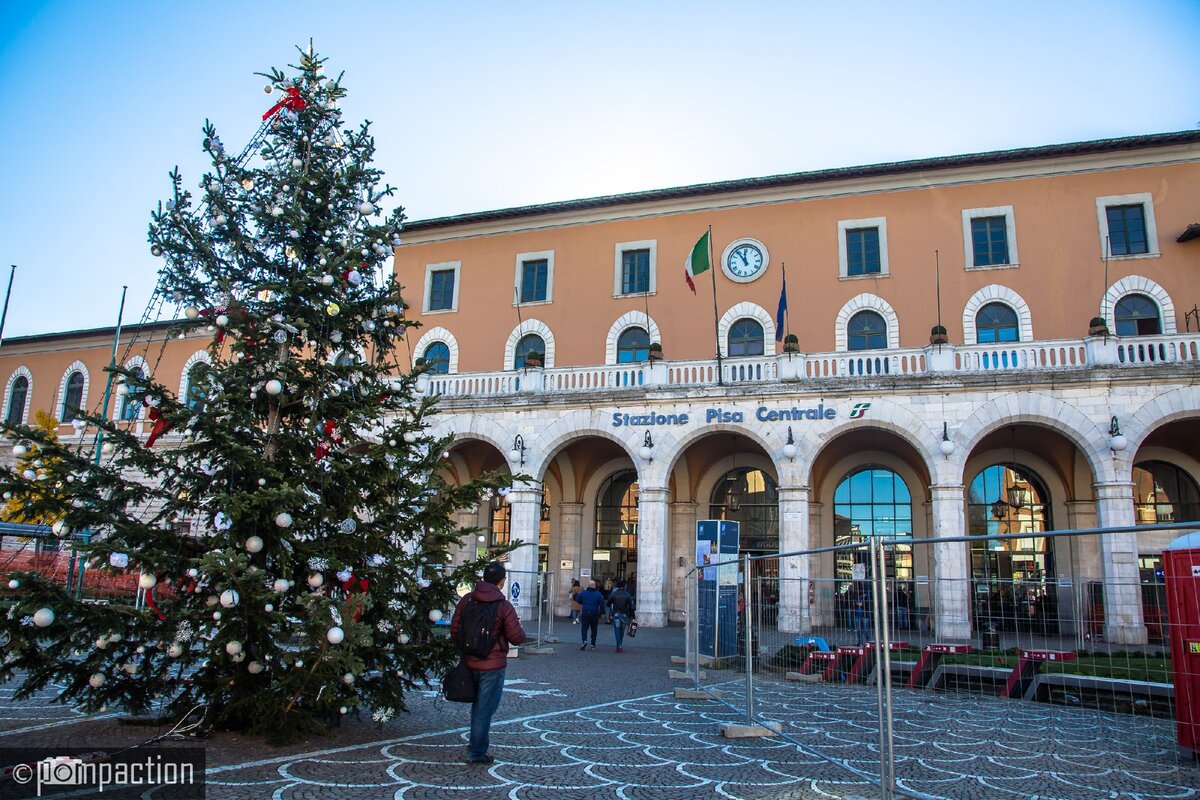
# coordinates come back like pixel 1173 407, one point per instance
pixel 859 411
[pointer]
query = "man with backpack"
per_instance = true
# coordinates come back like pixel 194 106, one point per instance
pixel 620 606
pixel 483 626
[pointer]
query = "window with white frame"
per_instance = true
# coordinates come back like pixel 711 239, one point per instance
pixel 1127 228
pixel 989 237
pixel 441 286
pixel 862 248
pixel 534 280
pixel 635 266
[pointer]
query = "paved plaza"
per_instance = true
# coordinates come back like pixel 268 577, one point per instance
pixel 599 724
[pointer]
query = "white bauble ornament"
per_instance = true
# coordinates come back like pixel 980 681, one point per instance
pixel 276 211
pixel 283 519
pixel 230 598
pixel 30 475
pixel 405 638
pixel 335 635
pixel 156 251
pixel 343 710
pixel 326 280
pixel 101 643
pixel 262 481
pixel 131 667
pixel 268 608
pixel 354 277
pixel 281 585
pixel 233 648
pixel 435 615
pixel 268 89
pixel 254 668
pixel 365 207
pixel 274 386
pixel 216 615
pixel 97 680
pixel 410 437
pixel 335 337
pixel 348 679
pixel 14 584
pixel 211 600
pixel 19 450
pixel 193 572
pixel 147 580
pixel 59 528
pixel 221 219
pixel 175 650
pixel 43 617
pixel 222 320
pixel 316 579
pixel 368 325
pixel 297 163
pixel 254 544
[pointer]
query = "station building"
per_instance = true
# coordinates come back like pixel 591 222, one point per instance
pixel 948 376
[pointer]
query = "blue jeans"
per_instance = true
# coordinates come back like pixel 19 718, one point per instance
pixel 489 686
pixel 620 622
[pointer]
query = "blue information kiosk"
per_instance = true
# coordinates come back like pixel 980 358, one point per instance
pixel 716 541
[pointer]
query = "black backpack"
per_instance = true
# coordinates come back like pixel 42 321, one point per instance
pixel 477 627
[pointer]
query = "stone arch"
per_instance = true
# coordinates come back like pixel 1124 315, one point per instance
pixel 629 319
pixel 21 371
pixel 527 327
pixel 196 358
pixel 995 293
pixel 1137 284
pixel 1036 409
pixel 866 302
pixel 438 334
pixel 1182 403
pixel 578 425
pixel 741 311
pixel 76 366
pixel 481 428
pixel 884 415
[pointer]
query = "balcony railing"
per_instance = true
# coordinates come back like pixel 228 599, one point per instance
pixel 1047 356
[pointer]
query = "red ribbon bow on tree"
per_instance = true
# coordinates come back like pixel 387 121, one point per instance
pixel 352 586
pixel 329 429
pixel 293 101
pixel 161 423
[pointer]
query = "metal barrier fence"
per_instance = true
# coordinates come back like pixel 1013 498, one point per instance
pixel 1019 656
pixel 34 548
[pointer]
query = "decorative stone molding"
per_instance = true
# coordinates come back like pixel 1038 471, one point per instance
pixel 866 302
pixel 527 327
pixel 995 293
pixel 1138 284
pixel 442 335
pixel 630 319
pixel 754 312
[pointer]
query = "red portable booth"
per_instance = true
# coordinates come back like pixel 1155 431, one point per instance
pixel 1181 567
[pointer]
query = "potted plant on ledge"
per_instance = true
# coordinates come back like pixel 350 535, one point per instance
pixel 791 343
pixel 655 351
pixel 1097 327
pixel 937 335
pixel 533 359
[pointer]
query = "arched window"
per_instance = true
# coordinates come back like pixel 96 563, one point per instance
pixel 996 322
pixel 872 501
pixel 131 406
pixel 633 345
pixel 195 396
pixel 615 553
pixel 73 397
pixel 437 358
pixel 1137 315
pixel 746 338
pixel 529 343
pixel 346 358
pixel 16 401
pixel 1163 493
pixel 751 497
pixel 866 330
pixel 1014 579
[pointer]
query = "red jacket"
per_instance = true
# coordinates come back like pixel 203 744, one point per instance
pixel 508 627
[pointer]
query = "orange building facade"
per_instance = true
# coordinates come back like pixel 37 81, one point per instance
pixel 565 345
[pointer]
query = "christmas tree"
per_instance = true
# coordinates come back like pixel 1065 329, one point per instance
pixel 34 468
pixel 287 517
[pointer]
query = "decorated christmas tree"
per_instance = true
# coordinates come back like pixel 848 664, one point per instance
pixel 36 488
pixel 287 518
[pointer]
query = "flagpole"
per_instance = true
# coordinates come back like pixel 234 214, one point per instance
pixel 787 312
pixel 7 295
pixel 712 269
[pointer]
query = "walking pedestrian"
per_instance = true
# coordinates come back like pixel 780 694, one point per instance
pixel 574 595
pixel 621 607
pixel 591 604
pixel 488 671
pixel 860 623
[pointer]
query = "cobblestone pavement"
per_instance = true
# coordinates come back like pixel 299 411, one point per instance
pixel 598 724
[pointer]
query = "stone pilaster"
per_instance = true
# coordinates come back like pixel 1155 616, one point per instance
pixel 795 616
pixel 570 533
pixel 682 557
pixel 952 569
pixel 652 556
pixel 1122 582
pixel 526 502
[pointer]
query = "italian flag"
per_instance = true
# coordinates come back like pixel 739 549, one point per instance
pixel 697 261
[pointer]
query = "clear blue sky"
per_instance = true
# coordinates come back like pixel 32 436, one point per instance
pixel 487 105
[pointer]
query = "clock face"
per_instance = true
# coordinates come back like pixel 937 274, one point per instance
pixel 745 261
